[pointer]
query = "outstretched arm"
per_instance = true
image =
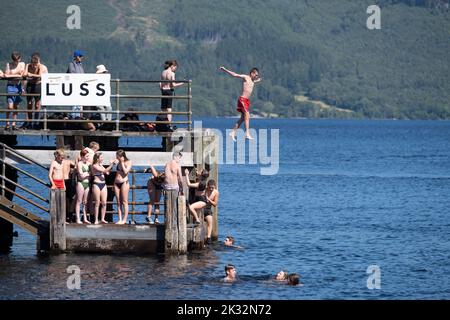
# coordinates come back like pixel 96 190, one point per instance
pixel 233 74
pixel 152 170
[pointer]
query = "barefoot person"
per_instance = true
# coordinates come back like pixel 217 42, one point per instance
pixel 243 104
pixel 93 148
pixel 121 185
pixel 168 88
pixel 56 171
pixel 212 199
pixel 34 70
pixel 154 189
pixel 82 186
pixel 99 189
pixel 172 171
pixel 14 70
pixel 200 200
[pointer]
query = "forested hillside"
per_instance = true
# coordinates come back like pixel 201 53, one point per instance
pixel 306 50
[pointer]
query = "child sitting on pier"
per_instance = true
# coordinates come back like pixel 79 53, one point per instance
pixel 154 188
pixel 55 173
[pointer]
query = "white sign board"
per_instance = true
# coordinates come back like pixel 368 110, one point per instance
pixel 76 89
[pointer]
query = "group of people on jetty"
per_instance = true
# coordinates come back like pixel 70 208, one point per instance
pixel 91 191
pixel 20 75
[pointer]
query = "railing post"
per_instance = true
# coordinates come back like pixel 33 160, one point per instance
pixel 182 227
pixel 133 193
pixel 45 117
pixel 117 104
pixel 3 169
pixel 57 219
pixel 190 105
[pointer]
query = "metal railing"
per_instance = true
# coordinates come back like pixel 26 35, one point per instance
pixel 134 203
pixel 9 153
pixel 118 112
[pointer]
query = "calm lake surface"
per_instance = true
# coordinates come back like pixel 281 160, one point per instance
pixel 348 194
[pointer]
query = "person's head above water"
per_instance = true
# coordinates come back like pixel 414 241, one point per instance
pixel 230 272
pixel 282 276
pixel 229 241
pixel 293 279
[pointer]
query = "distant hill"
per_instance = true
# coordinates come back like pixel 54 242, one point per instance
pixel 318 49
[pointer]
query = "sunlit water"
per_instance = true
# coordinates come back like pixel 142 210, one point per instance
pixel 349 194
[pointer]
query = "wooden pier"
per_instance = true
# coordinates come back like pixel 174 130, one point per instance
pixel 36 208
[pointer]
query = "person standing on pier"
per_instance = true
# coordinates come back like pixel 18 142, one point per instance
pixel 14 69
pixel 82 186
pixel 101 69
pixel 56 171
pixel 99 188
pixel 154 189
pixel 243 104
pixel 92 150
pixel 34 70
pixel 76 66
pixel 168 88
pixel 173 179
pixel 122 185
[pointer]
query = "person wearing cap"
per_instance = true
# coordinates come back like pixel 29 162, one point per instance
pixel 76 66
pixel 101 69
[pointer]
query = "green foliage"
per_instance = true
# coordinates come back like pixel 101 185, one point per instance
pixel 319 47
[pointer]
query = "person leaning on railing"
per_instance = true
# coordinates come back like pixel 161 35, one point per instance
pixel 34 70
pixel 13 71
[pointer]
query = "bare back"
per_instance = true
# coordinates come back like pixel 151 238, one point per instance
pixel 167 74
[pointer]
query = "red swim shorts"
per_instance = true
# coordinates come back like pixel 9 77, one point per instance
pixel 243 104
pixel 59 184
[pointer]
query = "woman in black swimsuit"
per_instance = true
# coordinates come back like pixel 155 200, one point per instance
pixel 99 189
pixel 200 200
pixel 121 185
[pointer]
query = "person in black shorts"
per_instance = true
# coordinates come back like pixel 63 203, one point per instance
pixel 33 71
pixel 168 88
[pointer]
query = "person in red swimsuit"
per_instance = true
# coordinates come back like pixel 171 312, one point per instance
pixel 243 105
pixel 55 173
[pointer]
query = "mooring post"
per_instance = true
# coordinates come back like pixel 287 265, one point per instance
pixel 57 220
pixel 170 208
pixel 182 227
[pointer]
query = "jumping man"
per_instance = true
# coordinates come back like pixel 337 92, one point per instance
pixel 243 105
